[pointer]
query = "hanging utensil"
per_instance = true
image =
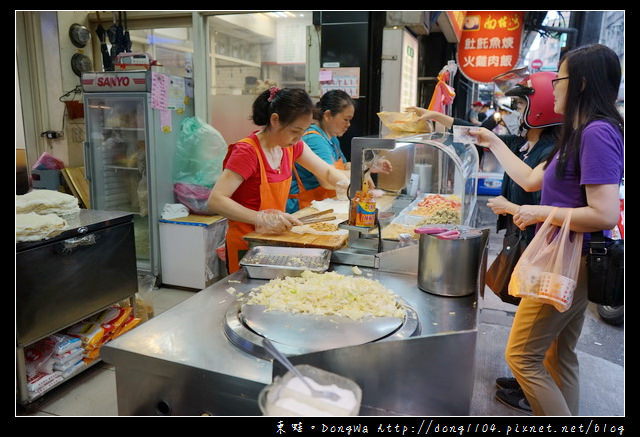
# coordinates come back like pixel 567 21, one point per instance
pixel 80 64
pixel 127 37
pixel 111 32
pixel 117 46
pixel 119 35
pixel 79 35
pixel 107 65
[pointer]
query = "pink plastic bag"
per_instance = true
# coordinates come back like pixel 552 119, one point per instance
pixel 193 197
pixel 48 162
pixel 548 268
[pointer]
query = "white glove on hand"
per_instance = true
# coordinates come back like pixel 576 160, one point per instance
pixel 341 189
pixel 273 221
pixel 380 165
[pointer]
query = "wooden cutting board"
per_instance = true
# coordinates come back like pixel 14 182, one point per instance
pixel 293 239
pixel 76 181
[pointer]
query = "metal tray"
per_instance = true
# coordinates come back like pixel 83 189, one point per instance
pixel 269 262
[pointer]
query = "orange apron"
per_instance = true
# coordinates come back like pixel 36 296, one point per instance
pixel 273 195
pixel 304 196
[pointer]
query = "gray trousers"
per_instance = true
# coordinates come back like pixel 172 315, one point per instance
pixel 541 352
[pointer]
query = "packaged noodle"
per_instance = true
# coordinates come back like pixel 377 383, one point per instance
pixel 129 324
pixel 38 357
pixel 73 369
pixel 62 361
pixel 90 333
pixel 92 354
pixel 113 315
pixel 42 382
pixel 65 343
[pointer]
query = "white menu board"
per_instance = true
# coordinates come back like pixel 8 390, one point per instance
pixel 346 79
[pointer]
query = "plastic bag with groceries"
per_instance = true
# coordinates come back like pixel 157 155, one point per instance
pixel 197 163
pixel 547 270
pixel 144 308
pixel 404 122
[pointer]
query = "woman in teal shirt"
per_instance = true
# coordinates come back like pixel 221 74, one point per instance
pixel 332 118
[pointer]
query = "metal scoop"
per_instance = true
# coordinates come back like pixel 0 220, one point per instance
pixel 285 362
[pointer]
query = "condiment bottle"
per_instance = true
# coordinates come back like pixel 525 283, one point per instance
pixel 365 208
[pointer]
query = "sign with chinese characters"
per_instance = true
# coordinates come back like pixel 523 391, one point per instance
pixel 490 43
pixel 346 79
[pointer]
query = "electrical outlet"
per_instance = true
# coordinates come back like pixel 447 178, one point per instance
pixel 52 135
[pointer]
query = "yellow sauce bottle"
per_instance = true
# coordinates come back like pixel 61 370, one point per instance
pixel 364 208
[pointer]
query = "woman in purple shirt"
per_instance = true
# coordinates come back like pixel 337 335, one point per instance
pixel 583 174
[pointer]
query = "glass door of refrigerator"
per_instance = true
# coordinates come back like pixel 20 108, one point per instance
pixel 118 139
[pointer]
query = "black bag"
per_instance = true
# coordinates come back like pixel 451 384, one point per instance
pixel 605 267
pixel 499 273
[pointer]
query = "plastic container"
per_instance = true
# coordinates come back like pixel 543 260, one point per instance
pixel 45 179
pixel 452 267
pixel 288 396
pixel 188 250
pixel 269 262
pixel 75 109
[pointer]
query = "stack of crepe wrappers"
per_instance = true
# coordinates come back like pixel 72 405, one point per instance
pixel 41 214
pixel 402 124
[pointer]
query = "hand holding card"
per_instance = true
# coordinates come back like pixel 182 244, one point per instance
pixel 461 135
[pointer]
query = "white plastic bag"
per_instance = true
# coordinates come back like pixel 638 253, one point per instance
pixel 548 268
pixel 144 305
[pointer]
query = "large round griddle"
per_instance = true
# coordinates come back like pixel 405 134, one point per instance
pixel 295 334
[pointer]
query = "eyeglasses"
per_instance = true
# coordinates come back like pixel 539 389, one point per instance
pixel 554 82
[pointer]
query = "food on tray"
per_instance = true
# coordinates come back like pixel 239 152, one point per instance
pixel 439 209
pixel 324 227
pixel 266 258
pixel 327 293
pixel 393 230
pixel 443 216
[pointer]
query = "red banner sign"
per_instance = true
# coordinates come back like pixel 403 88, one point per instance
pixel 490 43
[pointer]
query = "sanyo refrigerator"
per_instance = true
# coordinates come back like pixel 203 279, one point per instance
pixel 132 122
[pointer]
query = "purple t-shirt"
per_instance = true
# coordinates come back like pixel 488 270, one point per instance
pixel 601 162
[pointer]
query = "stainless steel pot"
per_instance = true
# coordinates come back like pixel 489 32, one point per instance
pixel 452 267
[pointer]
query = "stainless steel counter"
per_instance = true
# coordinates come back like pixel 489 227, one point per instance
pixel 181 362
pixel 68 278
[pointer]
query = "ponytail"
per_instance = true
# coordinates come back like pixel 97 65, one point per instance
pixel 288 103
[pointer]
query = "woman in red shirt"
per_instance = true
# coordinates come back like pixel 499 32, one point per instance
pixel 253 188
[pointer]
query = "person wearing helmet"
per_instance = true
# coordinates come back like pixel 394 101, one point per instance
pixel 472 115
pixel 532 144
pixel 485 112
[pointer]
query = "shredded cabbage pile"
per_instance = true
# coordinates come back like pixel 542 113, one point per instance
pixel 328 293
